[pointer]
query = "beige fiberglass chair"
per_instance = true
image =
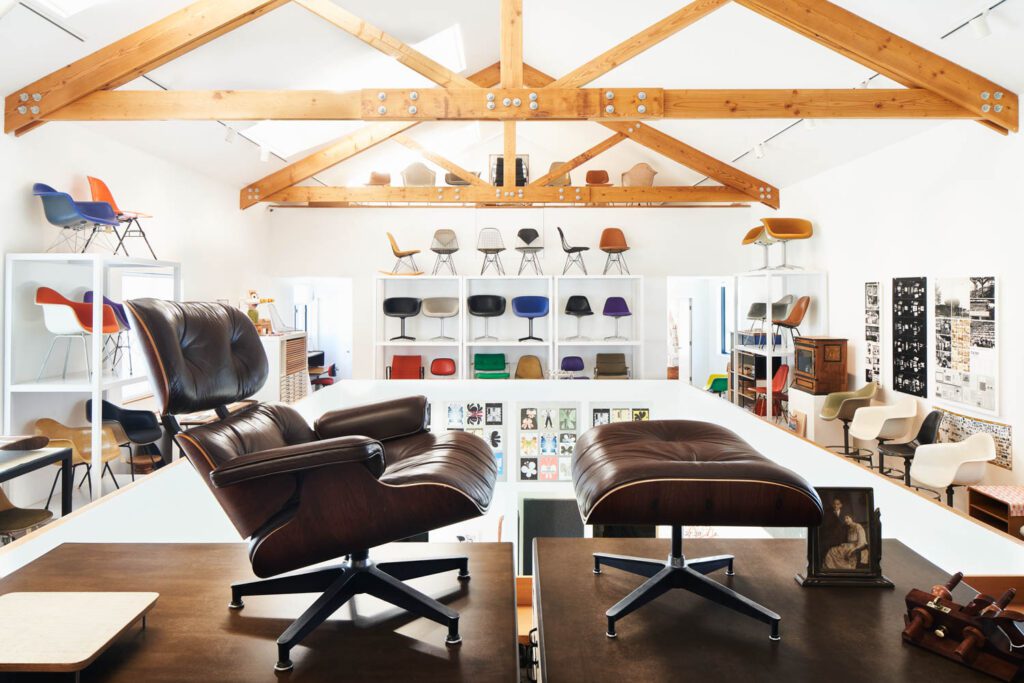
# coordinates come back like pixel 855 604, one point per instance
pixel 757 236
pixel 79 440
pixel 842 406
pixel 641 175
pixel 418 174
pixel 945 465
pixel 885 423
pixel 785 230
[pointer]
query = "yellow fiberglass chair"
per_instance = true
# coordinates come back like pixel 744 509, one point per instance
pixel 785 230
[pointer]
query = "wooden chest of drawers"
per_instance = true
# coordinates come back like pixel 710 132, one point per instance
pixel 820 365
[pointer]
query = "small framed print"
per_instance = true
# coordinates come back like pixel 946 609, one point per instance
pixel 846 549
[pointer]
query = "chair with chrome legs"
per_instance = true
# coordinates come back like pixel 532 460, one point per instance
pixel 615 307
pixel 785 230
pixel 613 243
pixel 445 244
pixel 77 219
pixel 486 306
pixel 529 243
pixel 360 478
pixel 573 255
pixel 490 244
pixel 945 466
pixel 792 321
pixel 678 472
pixel 842 406
pixel 441 307
pixel 883 424
pixel 757 236
pixel 531 308
pixel 578 306
pixel 927 434
pixel 405 258
pixel 71 320
pixel 120 344
pixel 402 307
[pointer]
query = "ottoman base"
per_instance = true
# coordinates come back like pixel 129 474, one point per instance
pixel 678 572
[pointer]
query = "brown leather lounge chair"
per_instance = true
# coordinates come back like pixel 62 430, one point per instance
pixel 677 472
pixel 360 478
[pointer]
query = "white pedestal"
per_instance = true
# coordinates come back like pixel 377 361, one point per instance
pixel 821 432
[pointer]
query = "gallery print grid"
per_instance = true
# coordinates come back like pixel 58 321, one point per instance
pixel 910 335
pixel 873 332
pixel 956 427
pixel 966 355
pixel 547 440
pixel 486 420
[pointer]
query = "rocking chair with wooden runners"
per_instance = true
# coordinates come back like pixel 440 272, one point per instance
pixel 405 258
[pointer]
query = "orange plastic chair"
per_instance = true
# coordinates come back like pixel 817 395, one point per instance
pixel 613 243
pixel 101 193
pixel 795 318
pixel 779 395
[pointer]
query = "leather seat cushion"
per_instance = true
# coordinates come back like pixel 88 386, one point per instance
pixel 685 472
pixel 456 460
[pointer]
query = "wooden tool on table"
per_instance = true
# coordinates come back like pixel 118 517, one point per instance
pixel 982 634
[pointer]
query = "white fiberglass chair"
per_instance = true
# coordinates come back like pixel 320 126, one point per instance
pixel 945 465
pixel 884 423
pixel 70 320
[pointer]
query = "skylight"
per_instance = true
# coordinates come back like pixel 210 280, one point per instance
pixel 65 9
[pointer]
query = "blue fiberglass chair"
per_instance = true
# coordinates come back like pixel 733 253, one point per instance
pixel 530 307
pixel 74 218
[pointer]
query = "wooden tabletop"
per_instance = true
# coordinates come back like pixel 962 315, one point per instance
pixel 193 636
pixel 828 634
pixel 55 631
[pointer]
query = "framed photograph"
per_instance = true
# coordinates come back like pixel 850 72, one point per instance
pixel 494 414
pixel 567 419
pixel 796 422
pixel 846 550
pixel 641 414
pixel 602 416
pixel 528 419
pixel 549 444
pixel 456 413
pixel 622 415
pixel 548 418
pixel 474 414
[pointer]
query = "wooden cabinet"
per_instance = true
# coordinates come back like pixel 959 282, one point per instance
pixel 998 506
pixel 288 378
pixel 820 365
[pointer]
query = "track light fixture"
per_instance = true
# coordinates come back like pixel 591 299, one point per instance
pixel 759 150
pixel 264 153
pixel 981 26
pixel 810 124
pixel 230 134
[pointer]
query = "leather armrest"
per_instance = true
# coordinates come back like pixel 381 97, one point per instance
pixel 382 421
pixel 300 457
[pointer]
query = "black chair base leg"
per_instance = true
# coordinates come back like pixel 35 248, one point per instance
pixel 357 575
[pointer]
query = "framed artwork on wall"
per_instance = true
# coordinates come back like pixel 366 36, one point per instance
pixel 966 351
pixel 873 332
pixel 910 335
pixel 547 441
pixel 957 427
pixel 486 420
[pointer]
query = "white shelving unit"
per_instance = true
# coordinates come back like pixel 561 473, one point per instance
pixel 420 327
pixel 597 289
pixel 509 328
pixel 26 339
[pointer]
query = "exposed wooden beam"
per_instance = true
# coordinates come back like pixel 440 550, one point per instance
pixel 891 55
pixel 493 195
pixel 631 47
pixel 579 160
pixel 511 43
pixel 388 44
pixel 508 179
pixel 123 60
pixel 339 150
pixel 441 161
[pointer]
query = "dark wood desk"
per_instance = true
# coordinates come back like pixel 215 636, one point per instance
pixel 16 463
pixel 828 634
pixel 193 636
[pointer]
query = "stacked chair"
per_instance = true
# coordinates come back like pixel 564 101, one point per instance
pixel 79 222
pixel 362 477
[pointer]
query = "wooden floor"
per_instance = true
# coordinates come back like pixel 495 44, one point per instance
pixel 828 634
pixel 193 636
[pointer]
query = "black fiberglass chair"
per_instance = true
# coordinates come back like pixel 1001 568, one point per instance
pixel 141 432
pixel 578 306
pixel 486 306
pixel 361 477
pixel 402 307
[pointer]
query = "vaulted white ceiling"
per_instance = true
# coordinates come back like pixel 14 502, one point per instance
pixel 733 47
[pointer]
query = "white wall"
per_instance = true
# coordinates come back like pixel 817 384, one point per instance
pixel 352 243
pixel 944 203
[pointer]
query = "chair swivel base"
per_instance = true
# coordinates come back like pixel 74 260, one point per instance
pixel 530 338
pixel 357 575
pixel 678 572
pixel 860 454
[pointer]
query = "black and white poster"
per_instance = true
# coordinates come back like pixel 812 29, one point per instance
pixel 873 332
pixel 966 356
pixel 910 335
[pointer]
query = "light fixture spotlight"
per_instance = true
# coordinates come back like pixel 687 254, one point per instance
pixel 759 150
pixel 230 134
pixel 264 153
pixel 981 26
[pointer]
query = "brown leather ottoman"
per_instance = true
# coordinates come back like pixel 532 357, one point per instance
pixel 677 472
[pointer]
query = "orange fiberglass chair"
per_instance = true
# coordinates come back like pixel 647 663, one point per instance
pixel 101 193
pixel 785 230
pixel 66 319
pixel 613 243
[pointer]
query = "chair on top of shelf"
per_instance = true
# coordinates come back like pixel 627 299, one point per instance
pixel 79 440
pixel 843 406
pixel 948 465
pixel 486 306
pixel 757 235
pixel 531 308
pixel 379 179
pixel 529 243
pixel 405 367
pixel 444 244
pixel 16 520
pixel 441 307
pixel 101 193
pixel 70 320
pixel 578 306
pixel 563 180
pixel 490 366
pixel 927 433
pixel 779 395
pixel 613 243
pixel 121 344
pixel 418 174
pixel 442 367
pixel 597 178
pixel 404 256
pixel 140 432
pixel 785 230
pixel 499 172
pixel 641 175
pixel 455 181
pixel 573 255
pixel 780 309
pixel 322 381
pixel 573 364
pixel 611 366
pixel 402 307
pixel 884 423
pixel 74 218
pixel 490 244
pixel 615 307
pixel 717 384
pixel 529 367
pixel 792 321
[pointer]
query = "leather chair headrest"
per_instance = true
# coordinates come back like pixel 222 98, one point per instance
pixel 201 355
